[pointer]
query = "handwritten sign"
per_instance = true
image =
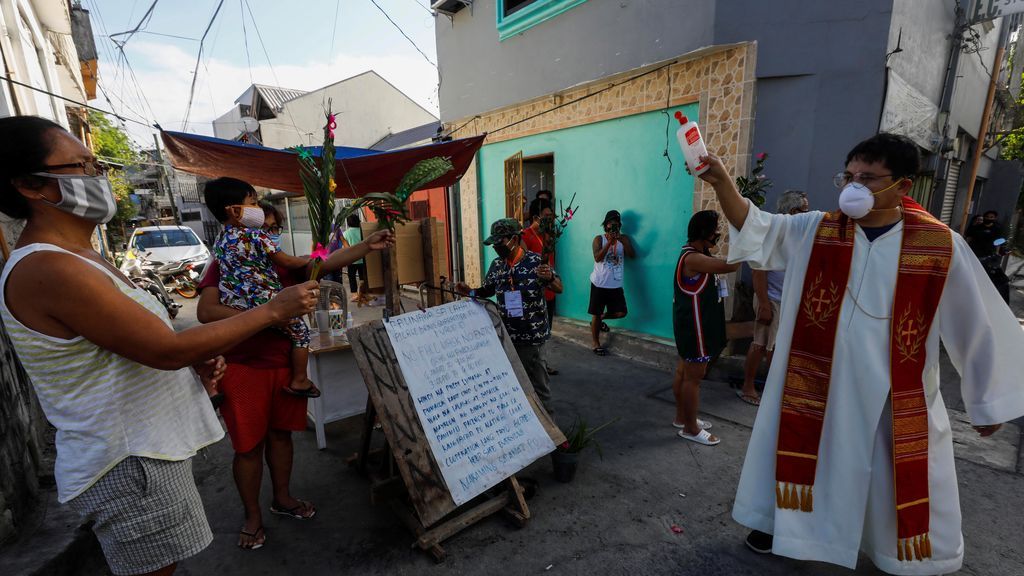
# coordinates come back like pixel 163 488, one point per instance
pixel 476 417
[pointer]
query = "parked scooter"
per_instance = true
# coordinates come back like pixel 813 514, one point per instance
pixel 180 277
pixel 993 265
pixel 148 280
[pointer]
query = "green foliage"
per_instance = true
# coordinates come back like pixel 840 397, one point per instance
pixel 580 436
pixel 753 187
pixel 391 209
pixel 423 173
pixel 318 185
pixel 126 209
pixel 109 141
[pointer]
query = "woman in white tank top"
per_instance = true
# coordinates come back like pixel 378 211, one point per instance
pixel 607 297
pixel 109 370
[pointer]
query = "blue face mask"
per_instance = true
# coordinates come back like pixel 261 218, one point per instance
pixel 276 239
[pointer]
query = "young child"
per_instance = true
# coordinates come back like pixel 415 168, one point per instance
pixel 246 256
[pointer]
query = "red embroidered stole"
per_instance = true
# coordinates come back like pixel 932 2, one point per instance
pixel 925 256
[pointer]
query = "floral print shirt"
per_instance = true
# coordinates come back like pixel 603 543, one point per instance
pixel 247 275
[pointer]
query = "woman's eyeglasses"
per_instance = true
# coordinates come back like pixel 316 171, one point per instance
pixel 91 168
pixel 273 229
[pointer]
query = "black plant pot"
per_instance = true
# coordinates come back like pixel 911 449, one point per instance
pixel 564 464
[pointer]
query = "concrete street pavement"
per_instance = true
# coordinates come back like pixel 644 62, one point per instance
pixel 615 518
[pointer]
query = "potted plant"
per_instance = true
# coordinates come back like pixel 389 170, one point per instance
pixel 566 455
pixel 755 185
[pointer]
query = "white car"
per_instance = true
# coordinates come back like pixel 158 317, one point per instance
pixel 167 244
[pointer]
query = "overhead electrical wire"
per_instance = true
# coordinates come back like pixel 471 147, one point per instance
pixel 75 102
pixel 245 38
pixel 399 28
pixel 199 59
pixel 270 64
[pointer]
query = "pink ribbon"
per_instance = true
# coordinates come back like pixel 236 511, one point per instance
pixel 331 125
pixel 319 253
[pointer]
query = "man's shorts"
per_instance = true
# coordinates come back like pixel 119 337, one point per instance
pixel 146 513
pixel 610 300
pixel 764 334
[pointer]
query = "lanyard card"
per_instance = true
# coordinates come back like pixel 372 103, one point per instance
pixel 514 304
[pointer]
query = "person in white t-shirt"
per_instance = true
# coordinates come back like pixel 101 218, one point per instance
pixel 607 297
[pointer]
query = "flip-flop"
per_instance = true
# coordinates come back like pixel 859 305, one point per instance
pixel 255 536
pixel 702 437
pixel 704 425
pixel 311 392
pixel 601 351
pixel 752 400
pixel 294 512
pixel 605 328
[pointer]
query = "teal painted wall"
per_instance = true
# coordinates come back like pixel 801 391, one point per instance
pixel 616 164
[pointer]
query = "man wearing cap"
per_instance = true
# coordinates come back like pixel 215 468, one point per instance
pixel 518 277
pixel 607 298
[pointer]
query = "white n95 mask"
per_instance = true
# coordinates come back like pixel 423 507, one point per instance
pixel 857 200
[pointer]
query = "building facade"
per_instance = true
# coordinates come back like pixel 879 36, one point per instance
pixel 578 95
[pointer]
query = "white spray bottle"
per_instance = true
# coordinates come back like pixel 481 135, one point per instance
pixel 692 144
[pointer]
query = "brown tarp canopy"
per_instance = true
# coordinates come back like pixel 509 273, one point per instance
pixel 368 170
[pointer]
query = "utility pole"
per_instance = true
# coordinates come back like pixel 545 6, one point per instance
pixel 979 147
pixel 162 181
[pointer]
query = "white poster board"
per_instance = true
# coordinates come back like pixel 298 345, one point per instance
pixel 472 408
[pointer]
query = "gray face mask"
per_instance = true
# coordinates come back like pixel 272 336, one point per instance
pixel 88 197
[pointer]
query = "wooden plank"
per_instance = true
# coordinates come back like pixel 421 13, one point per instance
pixel 451 527
pixel 427 226
pixel 389 265
pixel 400 422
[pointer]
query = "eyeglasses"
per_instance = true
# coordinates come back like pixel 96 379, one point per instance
pixel 843 178
pixel 273 229
pixel 91 168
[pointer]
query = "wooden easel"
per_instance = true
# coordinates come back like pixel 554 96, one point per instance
pixel 403 471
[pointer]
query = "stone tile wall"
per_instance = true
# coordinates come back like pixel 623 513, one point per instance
pixel 720 79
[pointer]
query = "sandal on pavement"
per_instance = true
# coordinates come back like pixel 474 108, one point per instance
pixel 703 437
pixel 749 399
pixel 704 425
pixel 311 392
pixel 295 512
pixel 605 328
pixel 255 535
pixel 601 351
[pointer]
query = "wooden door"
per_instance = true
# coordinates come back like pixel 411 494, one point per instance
pixel 514 201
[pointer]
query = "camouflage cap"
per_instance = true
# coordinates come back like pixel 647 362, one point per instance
pixel 504 228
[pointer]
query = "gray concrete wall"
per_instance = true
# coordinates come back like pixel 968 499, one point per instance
pixel 1002 190
pixel 821 76
pixel 595 39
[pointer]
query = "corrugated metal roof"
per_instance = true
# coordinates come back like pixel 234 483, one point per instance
pixel 273 96
pixel 276 96
pixel 408 137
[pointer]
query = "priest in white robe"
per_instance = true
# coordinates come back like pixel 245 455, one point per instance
pixel 853 507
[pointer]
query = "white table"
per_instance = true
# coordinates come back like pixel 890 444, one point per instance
pixel 332 366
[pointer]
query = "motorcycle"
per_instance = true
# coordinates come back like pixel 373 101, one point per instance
pixel 180 277
pixel 993 265
pixel 147 280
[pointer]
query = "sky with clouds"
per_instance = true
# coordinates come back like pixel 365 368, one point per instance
pixel 297 36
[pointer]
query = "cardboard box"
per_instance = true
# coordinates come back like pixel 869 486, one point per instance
pixel 408 250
